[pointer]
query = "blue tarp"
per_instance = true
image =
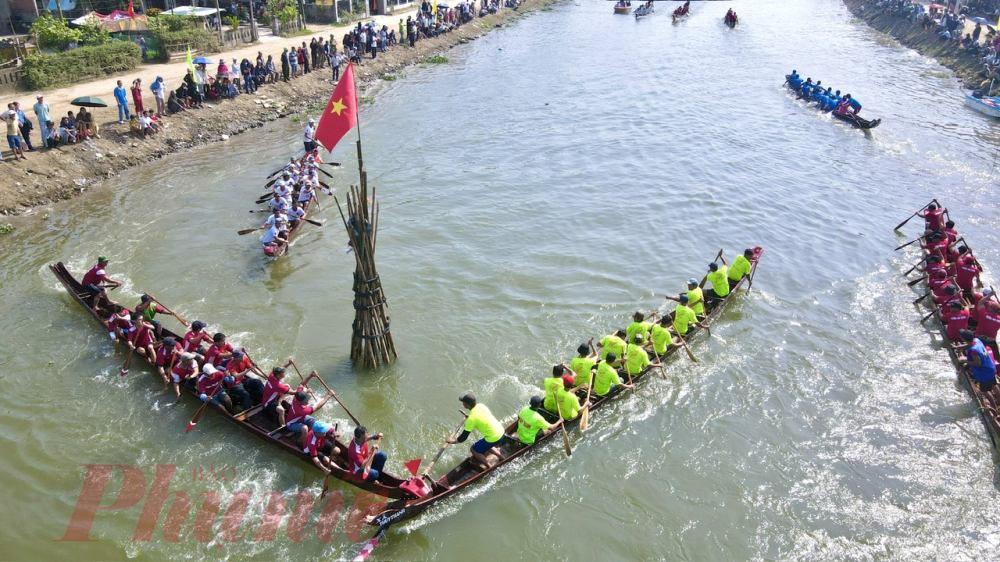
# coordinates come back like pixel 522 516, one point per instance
pixel 64 4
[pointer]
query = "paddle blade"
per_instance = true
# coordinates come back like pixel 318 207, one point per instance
pixel 124 372
pixel 190 426
pixel 569 450
pixel 585 418
pixel 246 231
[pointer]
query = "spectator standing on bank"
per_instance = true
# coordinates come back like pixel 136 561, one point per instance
pixel 137 95
pixel 121 98
pixel 42 112
pixel 14 136
pixel 285 64
pixel 26 126
pixel 159 92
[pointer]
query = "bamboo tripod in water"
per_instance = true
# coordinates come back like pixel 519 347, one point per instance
pixel 371 341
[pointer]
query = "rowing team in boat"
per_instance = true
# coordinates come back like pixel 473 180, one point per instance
pixel 730 18
pixel 645 9
pixel 227 377
pixel 827 99
pixel 599 370
pixel 969 312
pixel 682 10
pixel 294 192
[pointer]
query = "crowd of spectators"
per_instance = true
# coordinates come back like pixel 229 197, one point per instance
pixel 228 81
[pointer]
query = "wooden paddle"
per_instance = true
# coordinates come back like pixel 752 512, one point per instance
pixel 310 221
pixel 928 317
pixel 170 312
pixel 197 416
pixel 917 280
pixel 657 355
pixel 909 271
pixel 249 230
pixel 445 446
pixel 128 362
pixel 917 239
pixel 562 423
pixel 585 414
pixel 328 174
pixel 334 394
pixel 900 225
pixel 687 349
pixel 925 295
pixel 627 370
pixel 326 481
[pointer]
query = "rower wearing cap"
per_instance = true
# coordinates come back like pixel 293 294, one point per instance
pixel 955 316
pixel 283 188
pixel 167 352
pixel 989 324
pixel 184 370
pixel 982 365
pixel 96 281
pixel 530 422
pixel 319 445
pixel 196 335
pixel 660 336
pixel 967 273
pixel 718 275
pixel 552 385
pixel 307 195
pixel 309 137
pixel 275 219
pixel 569 404
pixel 583 364
pixel 695 295
pixel 740 268
pixel 979 303
pixel 606 380
pixel 933 216
pixel 366 463
pixel 482 420
pixel 638 326
pixel 636 358
pixel 278 203
pixel 276 236
pixel 210 386
pixel 613 344
pixel 684 317
pixel 237 368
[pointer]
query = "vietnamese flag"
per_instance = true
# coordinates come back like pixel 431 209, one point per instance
pixel 413 466
pixel 341 114
pixel 131 11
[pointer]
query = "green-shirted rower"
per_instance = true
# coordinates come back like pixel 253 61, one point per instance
pixel 718 276
pixel 481 420
pixel 740 268
pixel 569 404
pixel 607 377
pixel 638 326
pixel 636 358
pixel 552 385
pixel 584 364
pixel 613 344
pixel 661 337
pixel 696 297
pixel 684 317
pixel 530 422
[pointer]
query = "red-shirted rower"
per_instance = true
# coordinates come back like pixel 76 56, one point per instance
pixel 96 281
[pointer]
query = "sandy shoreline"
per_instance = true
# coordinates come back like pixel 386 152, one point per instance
pixel 60 174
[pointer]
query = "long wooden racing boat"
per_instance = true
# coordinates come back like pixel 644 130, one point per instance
pixel 988 414
pixel 467 473
pixel 253 420
pixel 270 252
pixel 853 120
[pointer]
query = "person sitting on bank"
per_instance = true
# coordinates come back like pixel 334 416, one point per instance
pixel 481 420
pixel 366 463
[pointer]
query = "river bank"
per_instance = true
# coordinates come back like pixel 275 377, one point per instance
pixel 59 174
pixel 966 66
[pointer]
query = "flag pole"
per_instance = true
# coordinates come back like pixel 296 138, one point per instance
pixel 357 102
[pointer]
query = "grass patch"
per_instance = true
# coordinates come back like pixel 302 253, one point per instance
pixel 389 77
pixel 6 228
pixel 298 33
pixel 436 59
pixel 296 119
pixel 368 100
pixel 545 9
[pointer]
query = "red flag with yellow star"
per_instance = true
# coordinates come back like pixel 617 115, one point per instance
pixel 341 114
